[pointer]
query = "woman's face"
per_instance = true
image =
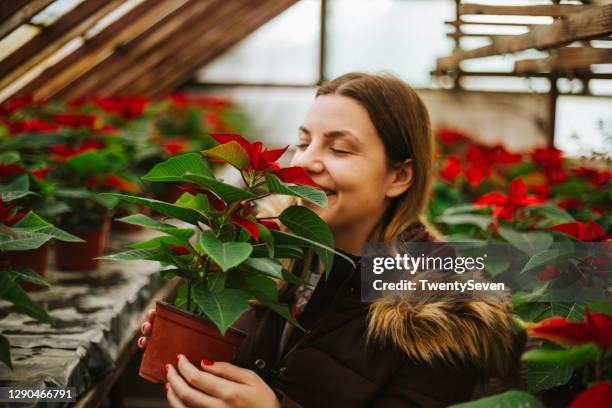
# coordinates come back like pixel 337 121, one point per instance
pixel 341 150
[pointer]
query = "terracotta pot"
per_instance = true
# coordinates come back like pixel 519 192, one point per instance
pixel 79 256
pixel 178 332
pixel 35 259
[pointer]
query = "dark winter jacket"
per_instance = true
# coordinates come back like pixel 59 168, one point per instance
pixel 417 355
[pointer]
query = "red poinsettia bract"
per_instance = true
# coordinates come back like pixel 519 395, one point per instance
pixel 591 232
pixel 596 328
pixel 504 206
pixel 264 160
pixel 10 169
pixel 598 395
pixel 8 215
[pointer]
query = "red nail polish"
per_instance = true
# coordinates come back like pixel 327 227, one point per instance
pixel 207 362
pixel 178 357
pixel 166 387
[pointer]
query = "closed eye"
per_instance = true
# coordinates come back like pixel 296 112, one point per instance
pixel 339 151
pixel 301 145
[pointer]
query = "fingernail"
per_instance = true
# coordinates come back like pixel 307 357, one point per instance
pixel 166 387
pixel 140 342
pixel 207 362
pixel 178 357
pixel 167 368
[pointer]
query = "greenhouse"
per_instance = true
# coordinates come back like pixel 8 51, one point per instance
pixel 306 203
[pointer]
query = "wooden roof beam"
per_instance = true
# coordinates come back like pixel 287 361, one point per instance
pixel 132 54
pixel 552 10
pixel 566 59
pixel 588 24
pixel 457 23
pixel 190 34
pixel 52 38
pixel 180 72
pixel 98 47
pixel 20 15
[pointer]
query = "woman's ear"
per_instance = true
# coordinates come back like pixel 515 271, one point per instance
pixel 401 179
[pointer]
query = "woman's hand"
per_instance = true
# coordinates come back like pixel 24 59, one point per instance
pixel 145 329
pixel 218 384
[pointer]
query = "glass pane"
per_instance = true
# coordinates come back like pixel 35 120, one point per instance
pixel 584 125
pixel 285 50
pixel 400 36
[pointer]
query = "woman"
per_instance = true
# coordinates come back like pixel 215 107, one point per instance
pixel 367 141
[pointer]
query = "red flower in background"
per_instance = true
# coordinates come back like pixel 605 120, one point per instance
pixel 597 178
pixel 121 184
pixel 11 106
pixel 176 146
pixel 75 120
pixel 202 102
pixel 476 173
pixel 5 213
pixel 31 125
pixel 41 173
pixel 591 232
pixel 541 190
pixel 92 182
pixel 214 121
pixel 551 159
pixel 598 395
pixel 10 169
pixel 128 107
pixel 179 250
pixel 271 225
pixel 64 152
pixel 548 274
pixel 506 205
pixel 450 136
pixel 597 328
pixel 451 168
pixel 569 203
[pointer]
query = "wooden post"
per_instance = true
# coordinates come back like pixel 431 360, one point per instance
pixel 322 42
pixel 552 110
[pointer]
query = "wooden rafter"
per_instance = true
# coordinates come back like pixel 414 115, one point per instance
pixel 14 15
pixel 590 23
pixel 552 10
pixel 69 26
pixel 131 54
pixel 244 26
pixel 98 47
pixel 566 58
pixel 458 23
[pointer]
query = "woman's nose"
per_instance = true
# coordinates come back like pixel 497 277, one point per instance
pixel 309 159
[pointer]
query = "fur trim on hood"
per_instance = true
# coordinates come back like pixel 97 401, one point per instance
pixel 470 333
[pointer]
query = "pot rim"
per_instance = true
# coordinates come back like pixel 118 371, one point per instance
pixel 192 316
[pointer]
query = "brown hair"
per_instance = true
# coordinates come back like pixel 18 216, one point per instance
pixel 402 123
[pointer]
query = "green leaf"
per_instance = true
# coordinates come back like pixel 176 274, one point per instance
pixel 28 275
pixel 230 152
pixel 481 221
pixel 276 186
pixel 144 221
pixel 7 196
pixel 226 254
pixel 5 351
pixel 152 254
pixel 199 203
pixel 270 267
pixel 495 268
pixel 279 308
pixel 542 376
pixel 33 223
pixel 11 291
pixel 461 209
pixel 170 210
pixel 306 224
pixel 22 241
pixel 553 214
pixel 574 357
pixel 216 281
pixel 547 258
pixel 157 242
pixel 601 307
pixel 175 168
pixel 508 399
pixel 89 162
pixel 266 236
pixel 227 192
pixel 222 308
pixel 280 251
pixel 529 242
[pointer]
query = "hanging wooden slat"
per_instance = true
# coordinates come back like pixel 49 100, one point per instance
pixel 13 16
pixel 552 10
pixel 98 47
pixel 218 11
pixel 129 56
pixel 567 58
pixel 457 23
pixel 181 70
pixel 71 25
pixel 588 24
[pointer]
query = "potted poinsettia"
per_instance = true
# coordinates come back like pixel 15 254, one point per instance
pixel 224 254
